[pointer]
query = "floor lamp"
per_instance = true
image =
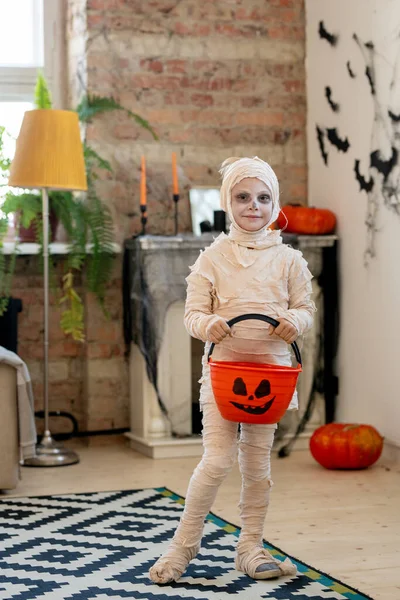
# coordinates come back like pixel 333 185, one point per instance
pixel 49 155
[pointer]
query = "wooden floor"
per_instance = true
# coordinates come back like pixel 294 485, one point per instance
pixel 344 523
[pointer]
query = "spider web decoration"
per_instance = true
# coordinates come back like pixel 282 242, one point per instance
pixel 381 180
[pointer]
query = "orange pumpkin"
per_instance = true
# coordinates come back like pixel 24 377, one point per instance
pixel 307 220
pixel 346 446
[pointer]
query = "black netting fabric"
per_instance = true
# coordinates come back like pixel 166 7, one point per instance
pixel 155 268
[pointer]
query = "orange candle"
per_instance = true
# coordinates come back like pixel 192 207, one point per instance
pixel 175 186
pixel 143 183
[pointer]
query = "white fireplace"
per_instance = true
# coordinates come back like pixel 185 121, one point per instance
pixel 151 431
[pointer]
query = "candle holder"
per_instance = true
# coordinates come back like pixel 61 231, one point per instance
pixel 143 210
pixel 176 200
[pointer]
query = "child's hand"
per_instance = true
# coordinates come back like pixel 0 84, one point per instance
pixel 286 331
pixel 217 331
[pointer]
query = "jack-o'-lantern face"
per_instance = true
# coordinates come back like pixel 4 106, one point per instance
pixel 263 390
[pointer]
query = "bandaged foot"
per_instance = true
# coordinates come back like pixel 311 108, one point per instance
pixel 258 563
pixel 171 565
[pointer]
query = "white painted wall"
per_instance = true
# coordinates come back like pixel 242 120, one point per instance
pixel 369 355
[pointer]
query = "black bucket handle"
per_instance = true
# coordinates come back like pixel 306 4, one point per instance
pixel 259 317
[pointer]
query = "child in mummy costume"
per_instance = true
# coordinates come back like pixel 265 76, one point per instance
pixel 248 271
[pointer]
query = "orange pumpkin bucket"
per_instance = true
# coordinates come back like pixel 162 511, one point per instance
pixel 253 392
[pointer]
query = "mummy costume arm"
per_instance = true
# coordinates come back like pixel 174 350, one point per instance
pixel 301 307
pixel 199 314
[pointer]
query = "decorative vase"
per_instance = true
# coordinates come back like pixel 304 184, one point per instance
pixel 28 234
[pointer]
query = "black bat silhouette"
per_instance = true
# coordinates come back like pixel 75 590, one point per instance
pixel 321 144
pixel 334 105
pixel 351 73
pixel 371 81
pixel 335 140
pixel 383 166
pixel 394 118
pixel 364 184
pixel 325 35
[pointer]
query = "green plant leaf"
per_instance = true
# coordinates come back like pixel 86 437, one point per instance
pixel 101 236
pixel 5 162
pixel 92 105
pixel 73 313
pixel 42 92
pixel 93 159
pixel 28 206
pixel 3 228
pixel 142 122
pixel 86 221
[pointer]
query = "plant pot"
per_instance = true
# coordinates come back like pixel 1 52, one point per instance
pixel 28 234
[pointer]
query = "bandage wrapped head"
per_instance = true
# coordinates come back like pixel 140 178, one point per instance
pixel 234 170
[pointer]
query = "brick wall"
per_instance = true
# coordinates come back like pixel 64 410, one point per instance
pixel 87 379
pixel 65 356
pixel 215 79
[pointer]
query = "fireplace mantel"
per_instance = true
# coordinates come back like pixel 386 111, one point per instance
pixel 161 264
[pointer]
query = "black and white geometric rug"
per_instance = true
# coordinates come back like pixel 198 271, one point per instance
pixel 101 545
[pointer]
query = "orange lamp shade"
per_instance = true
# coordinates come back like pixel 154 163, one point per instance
pixel 175 185
pixel 49 152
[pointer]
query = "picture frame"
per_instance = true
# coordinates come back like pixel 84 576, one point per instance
pixel 204 200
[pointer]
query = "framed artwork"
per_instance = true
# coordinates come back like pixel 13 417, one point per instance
pixel 203 202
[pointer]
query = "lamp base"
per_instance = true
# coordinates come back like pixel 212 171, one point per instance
pixel 49 454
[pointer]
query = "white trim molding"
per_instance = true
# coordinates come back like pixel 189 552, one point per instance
pixel 54 50
pixel 31 249
pixel 391 451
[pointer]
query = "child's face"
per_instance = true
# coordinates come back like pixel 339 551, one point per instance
pixel 251 204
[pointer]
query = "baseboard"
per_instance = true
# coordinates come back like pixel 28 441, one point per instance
pixel 302 442
pixel 192 446
pixel 167 447
pixel 391 451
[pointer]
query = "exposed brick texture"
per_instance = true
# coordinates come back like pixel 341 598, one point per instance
pixel 81 375
pixel 215 79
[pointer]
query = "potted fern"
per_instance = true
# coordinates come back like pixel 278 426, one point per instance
pixel 86 221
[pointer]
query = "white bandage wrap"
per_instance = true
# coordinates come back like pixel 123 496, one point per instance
pixel 221 444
